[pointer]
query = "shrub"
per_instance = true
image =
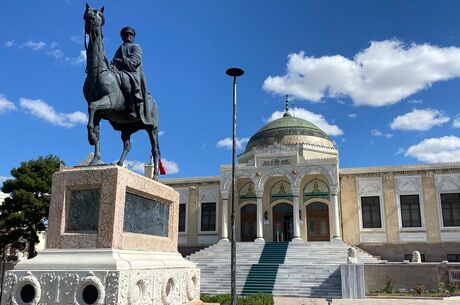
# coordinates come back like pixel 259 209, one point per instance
pixel 254 299
pixel 389 285
pixel 452 287
pixel 420 289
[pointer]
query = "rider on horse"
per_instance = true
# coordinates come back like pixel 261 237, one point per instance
pixel 127 61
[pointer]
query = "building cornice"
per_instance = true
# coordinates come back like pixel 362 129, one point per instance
pixel 189 180
pixel 399 168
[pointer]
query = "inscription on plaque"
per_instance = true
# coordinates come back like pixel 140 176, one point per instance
pixel 83 213
pixel 146 216
pixel 275 162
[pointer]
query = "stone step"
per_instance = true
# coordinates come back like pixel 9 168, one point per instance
pixel 283 269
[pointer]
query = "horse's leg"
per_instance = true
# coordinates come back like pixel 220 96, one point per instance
pixel 93 108
pixel 97 153
pixel 126 138
pixel 153 136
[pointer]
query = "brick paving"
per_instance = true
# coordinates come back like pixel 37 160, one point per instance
pixel 305 301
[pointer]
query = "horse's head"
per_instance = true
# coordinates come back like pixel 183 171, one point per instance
pixel 93 18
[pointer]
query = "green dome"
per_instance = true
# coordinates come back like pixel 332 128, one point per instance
pixel 289 130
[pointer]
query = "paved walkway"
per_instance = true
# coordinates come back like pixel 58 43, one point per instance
pixel 304 301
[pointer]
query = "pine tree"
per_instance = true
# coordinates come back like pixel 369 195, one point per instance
pixel 24 214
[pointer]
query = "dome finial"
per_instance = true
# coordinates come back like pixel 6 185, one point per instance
pixel 286 113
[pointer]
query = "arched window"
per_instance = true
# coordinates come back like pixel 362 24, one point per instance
pixel 316 189
pixel 247 192
pixel 281 190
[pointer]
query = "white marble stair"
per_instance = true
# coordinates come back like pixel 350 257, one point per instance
pixel 293 269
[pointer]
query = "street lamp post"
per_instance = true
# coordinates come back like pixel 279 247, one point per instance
pixel 234 72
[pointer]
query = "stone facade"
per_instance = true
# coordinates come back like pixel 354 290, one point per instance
pixel 392 240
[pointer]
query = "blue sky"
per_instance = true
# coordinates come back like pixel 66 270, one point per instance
pixel 381 77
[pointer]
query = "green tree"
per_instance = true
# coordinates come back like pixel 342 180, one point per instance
pixel 24 214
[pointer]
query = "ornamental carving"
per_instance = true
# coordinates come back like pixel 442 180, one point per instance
pixel 68 285
pixel 281 190
pixel 91 279
pixel 274 172
pixel 209 194
pixel 247 192
pixel 183 194
pixel 328 171
pixel 316 189
pixel 111 288
pixel 8 283
pixel 50 286
pixel 448 183
pixel 369 187
pixel 29 279
pixel 408 184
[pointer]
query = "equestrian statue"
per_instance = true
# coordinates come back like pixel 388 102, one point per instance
pixel 117 91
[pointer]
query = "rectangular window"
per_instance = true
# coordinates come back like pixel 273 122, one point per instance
pixel 450 204
pixel 410 211
pixel 208 216
pixel 370 209
pixel 453 258
pixel 182 214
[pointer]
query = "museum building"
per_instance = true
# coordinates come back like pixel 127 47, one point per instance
pixel 290 188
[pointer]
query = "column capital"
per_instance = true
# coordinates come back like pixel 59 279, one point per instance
pixel 295 191
pixel 224 194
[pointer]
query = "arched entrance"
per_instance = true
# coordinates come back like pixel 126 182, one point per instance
pixel 283 229
pixel 318 222
pixel 248 216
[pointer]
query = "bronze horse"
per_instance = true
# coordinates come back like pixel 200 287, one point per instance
pixel 105 97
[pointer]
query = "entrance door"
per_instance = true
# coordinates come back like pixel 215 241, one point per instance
pixel 283 229
pixel 248 218
pixel 318 222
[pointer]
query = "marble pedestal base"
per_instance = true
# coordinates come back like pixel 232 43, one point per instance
pixel 102 277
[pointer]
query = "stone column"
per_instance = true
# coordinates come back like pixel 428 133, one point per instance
pixel 224 234
pixel 260 219
pixel 295 201
pixel 336 218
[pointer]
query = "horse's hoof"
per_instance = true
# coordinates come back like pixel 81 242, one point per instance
pixel 120 163
pixel 94 162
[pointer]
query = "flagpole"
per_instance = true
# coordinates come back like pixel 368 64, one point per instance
pixel 234 72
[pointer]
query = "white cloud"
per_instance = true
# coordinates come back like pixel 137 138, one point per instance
pixel 34 45
pixel 171 167
pixel 56 53
pixel 5 104
pixel 456 123
pixel 383 74
pixel 10 43
pixel 76 61
pixel 352 115
pixel 227 143
pixel 400 151
pixel 444 149
pixel 317 119
pixel 415 102
pixel 419 119
pixel 78 39
pixel 378 133
pixel 135 165
pixel 161 132
pixel 42 110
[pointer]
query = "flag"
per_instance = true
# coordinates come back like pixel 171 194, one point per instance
pixel 162 169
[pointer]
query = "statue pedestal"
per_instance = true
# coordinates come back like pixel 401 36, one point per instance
pixel 112 239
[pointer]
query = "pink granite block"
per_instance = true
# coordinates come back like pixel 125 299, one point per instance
pixel 113 182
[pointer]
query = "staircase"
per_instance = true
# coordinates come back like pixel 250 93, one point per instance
pixel 309 269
